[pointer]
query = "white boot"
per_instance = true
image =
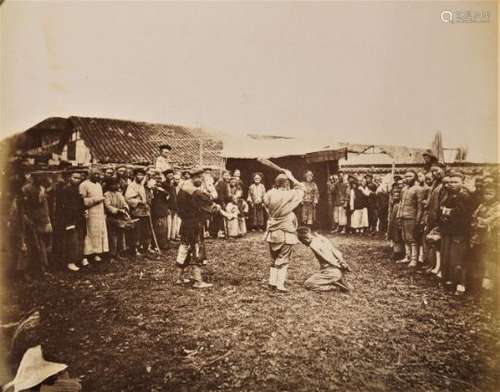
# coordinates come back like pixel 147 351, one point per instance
pixel 421 254
pixel 413 256
pixel 273 275
pixel 281 279
pixel 73 267
pixel 437 268
pixel 85 262
pixel 487 284
pixel 460 289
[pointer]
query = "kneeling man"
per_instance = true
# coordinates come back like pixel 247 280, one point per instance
pixel 331 262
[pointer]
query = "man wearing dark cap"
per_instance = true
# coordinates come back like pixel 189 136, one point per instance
pixel 281 234
pixel 162 163
pixel 193 207
pixel 123 179
pixel 429 159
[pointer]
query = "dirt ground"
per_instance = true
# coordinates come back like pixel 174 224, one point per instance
pixel 126 326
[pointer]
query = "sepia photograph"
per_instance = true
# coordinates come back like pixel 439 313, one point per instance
pixel 254 196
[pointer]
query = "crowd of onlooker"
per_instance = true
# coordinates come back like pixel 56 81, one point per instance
pixel 432 220
pixel 75 218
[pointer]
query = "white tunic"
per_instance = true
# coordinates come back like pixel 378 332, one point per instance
pixel 96 240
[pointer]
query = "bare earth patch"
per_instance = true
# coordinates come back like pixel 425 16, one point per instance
pixel 127 327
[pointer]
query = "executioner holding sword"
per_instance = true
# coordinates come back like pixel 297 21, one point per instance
pixel 281 234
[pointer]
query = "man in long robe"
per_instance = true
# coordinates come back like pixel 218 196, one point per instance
pixel 330 259
pixel 96 239
pixel 72 221
pixel 193 207
pixel 282 225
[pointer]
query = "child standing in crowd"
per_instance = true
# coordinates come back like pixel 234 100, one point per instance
pixel 242 217
pixel 232 223
pixel 256 193
pixel 235 187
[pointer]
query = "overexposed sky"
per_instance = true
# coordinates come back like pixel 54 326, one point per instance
pixel 366 72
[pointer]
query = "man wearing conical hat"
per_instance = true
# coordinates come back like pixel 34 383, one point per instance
pixel 37 374
pixel 281 234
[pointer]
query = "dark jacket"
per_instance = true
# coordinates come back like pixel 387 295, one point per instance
pixel 71 204
pixel 455 214
pixel 160 202
pixel 411 203
pixel 223 192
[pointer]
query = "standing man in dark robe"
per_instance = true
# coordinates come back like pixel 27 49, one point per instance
pixel 194 206
pixel 436 195
pixel 372 205
pixel 159 210
pixel 455 217
pixel 73 223
pixel 223 196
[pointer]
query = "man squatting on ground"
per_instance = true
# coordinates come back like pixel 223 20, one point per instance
pixel 194 207
pixel 282 225
pixel 331 262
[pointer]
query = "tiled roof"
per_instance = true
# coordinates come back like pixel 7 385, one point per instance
pixel 122 141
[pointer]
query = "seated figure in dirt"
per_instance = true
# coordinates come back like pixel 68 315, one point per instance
pixel 331 263
pixel 194 206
